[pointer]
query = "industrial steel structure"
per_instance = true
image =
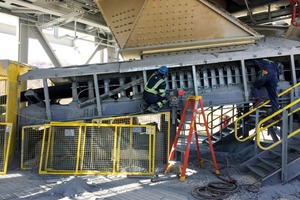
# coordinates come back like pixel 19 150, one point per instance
pixel 205 46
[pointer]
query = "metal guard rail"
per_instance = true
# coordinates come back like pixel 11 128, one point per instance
pixel 4 156
pixel 219 117
pixel 259 129
pixel 253 110
pixel 275 122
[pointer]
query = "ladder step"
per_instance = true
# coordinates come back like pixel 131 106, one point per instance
pixel 175 163
pixel 257 170
pixel 179 149
pixel 265 167
pixel 268 163
pixel 276 153
pixel 193 102
pixel 230 128
pixel 294 147
pixel 183 136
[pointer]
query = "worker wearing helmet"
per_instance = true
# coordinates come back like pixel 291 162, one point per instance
pixel 155 90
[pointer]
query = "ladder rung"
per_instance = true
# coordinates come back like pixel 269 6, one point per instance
pixel 181 133
pixel 183 136
pixel 182 150
pixel 175 163
pixel 185 122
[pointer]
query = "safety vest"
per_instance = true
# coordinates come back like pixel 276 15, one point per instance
pixel 153 90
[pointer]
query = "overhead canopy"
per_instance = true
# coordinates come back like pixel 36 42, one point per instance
pixel 153 26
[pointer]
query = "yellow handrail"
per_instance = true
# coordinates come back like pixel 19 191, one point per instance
pixel 275 122
pixel 253 110
pixel 219 117
pixel 258 129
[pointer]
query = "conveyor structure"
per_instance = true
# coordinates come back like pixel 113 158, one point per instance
pixel 204 47
pixel 220 78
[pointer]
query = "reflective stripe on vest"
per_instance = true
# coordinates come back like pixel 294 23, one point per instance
pixel 153 89
pixel 269 61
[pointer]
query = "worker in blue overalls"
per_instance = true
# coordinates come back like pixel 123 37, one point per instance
pixel 155 90
pixel 269 79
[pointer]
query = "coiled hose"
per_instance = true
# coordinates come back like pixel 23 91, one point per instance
pixel 221 189
pixel 215 190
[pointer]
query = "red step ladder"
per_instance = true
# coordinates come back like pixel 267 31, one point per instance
pixel 191 101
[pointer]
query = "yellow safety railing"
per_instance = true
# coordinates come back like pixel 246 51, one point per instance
pixel 260 129
pixel 217 121
pixel 163 122
pixel 91 148
pixel 5 142
pixel 253 110
pixel 31 146
pixel 32 137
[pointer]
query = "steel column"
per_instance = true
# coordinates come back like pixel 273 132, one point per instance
pixel 196 79
pixel 293 69
pixel 98 100
pixel 23 42
pixel 45 44
pixel 284 145
pixel 245 79
pixel 47 100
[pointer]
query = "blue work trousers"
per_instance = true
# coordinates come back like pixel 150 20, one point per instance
pixel 269 81
pixel 153 99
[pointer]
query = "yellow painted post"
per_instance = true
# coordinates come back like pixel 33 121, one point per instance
pixel 148 129
pixel 82 149
pixel 78 149
pixel 13 70
pixel 153 149
pixel 42 149
pixel 115 149
pixel 22 151
pixel 91 148
pixel 49 147
pixel 7 141
pixel 119 148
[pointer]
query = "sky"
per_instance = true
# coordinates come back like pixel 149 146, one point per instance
pixel 76 55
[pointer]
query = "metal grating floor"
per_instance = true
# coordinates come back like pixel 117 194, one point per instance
pixel 30 185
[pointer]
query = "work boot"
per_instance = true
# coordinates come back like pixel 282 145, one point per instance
pixel 258 102
pixel 143 107
pixel 152 108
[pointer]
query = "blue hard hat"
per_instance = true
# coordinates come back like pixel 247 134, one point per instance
pixel 163 70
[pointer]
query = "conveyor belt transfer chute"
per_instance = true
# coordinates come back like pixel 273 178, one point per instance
pixel 144 27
